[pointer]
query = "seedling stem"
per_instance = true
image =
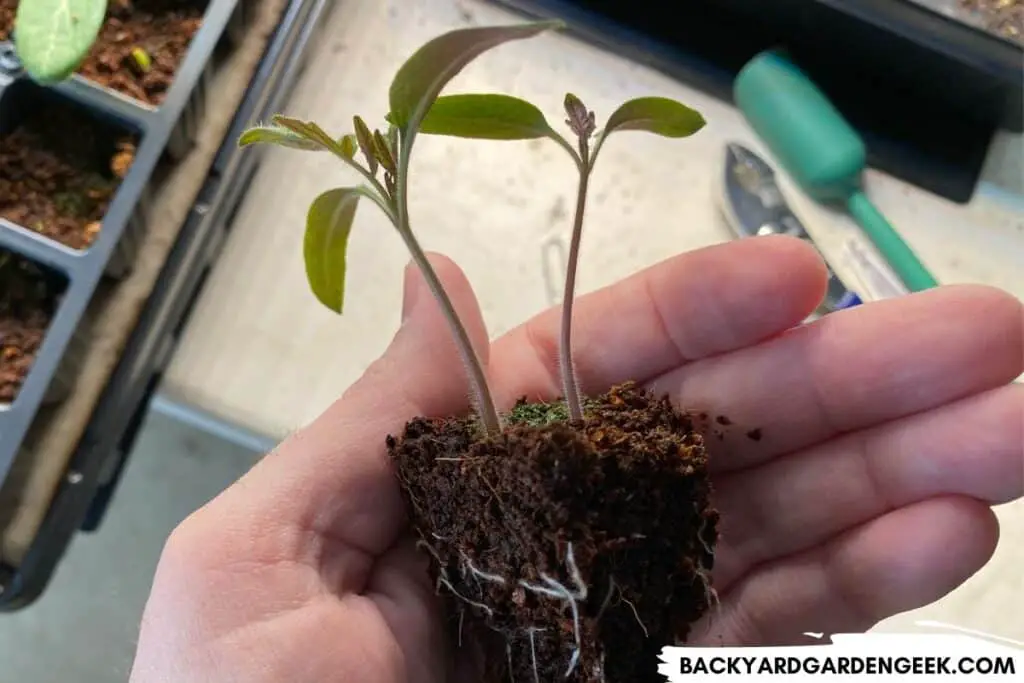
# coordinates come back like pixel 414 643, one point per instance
pixel 582 124
pixel 477 378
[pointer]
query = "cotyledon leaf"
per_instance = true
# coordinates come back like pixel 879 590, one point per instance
pixel 52 37
pixel 658 115
pixel 325 245
pixel 425 74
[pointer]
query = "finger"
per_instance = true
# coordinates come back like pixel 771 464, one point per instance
pixel 974 447
pixel 691 306
pixel 854 369
pixel 403 593
pixel 331 481
pixel 901 561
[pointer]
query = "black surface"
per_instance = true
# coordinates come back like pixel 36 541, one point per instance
pixel 925 92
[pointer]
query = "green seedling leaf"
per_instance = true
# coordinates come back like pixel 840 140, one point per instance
pixel 393 139
pixel 328 225
pixel 142 59
pixel 52 37
pixel 311 132
pixel 365 138
pixel 425 74
pixel 348 144
pixel 485 117
pixel 383 152
pixel 581 120
pixel 276 135
pixel 658 115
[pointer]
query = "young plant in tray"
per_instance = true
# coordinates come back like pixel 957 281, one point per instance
pixel 131 47
pixel 54 36
pixel 574 538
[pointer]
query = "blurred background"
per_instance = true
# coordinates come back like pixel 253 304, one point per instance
pixel 250 355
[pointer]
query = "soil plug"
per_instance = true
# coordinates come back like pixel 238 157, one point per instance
pixel 573 540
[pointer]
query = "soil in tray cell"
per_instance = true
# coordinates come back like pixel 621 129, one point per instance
pixel 140 47
pixel 59 170
pixel 28 299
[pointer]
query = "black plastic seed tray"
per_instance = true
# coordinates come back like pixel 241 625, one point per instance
pixel 163 132
pixel 926 91
pixel 112 252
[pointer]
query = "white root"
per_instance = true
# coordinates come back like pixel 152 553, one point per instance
pixel 533 631
pixel 558 591
pixel 478 574
pixel 447 584
pixel 635 613
pixel 437 556
pixel 550 588
pixel 442 571
pixel 607 599
pixel 600 669
pixel 574 574
pixel 612 588
pixel 443 580
pixel 700 537
pixel 710 594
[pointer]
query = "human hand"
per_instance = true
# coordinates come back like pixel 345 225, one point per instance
pixel 887 432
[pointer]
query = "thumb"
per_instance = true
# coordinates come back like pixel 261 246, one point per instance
pixel 333 477
pixel 422 367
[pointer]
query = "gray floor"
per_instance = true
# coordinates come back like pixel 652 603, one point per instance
pixel 83 629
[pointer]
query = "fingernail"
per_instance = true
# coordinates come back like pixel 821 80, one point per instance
pixel 412 286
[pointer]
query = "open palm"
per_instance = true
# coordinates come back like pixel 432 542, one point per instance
pixel 886 433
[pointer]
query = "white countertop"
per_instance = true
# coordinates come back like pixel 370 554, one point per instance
pixel 260 352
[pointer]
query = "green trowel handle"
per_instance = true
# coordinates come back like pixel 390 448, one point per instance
pixel 820 150
pixel 805 132
pixel 893 249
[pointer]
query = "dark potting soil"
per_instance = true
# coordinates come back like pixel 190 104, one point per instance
pixel 160 29
pixel 28 298
pixel 59 172
pixel 585 547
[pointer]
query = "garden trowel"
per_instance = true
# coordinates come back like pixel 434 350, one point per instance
pixel 753 204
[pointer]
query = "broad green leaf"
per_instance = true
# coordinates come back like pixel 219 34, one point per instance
pixel 328 224
pixel 275 135
pixel 424 75
pixel 52 37
pixel 486 117
pixel 658 115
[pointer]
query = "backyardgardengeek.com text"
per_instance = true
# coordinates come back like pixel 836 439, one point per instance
pixel 849 665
